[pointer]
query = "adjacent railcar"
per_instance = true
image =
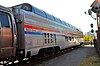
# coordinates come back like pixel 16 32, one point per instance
pixel 40 32
pixel 7 39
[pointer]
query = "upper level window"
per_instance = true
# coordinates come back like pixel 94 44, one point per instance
pixel 27 7
pixel 4 20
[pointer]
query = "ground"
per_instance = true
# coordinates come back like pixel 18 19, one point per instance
pixel 73 58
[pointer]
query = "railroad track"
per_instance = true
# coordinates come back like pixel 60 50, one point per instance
pixel 37 59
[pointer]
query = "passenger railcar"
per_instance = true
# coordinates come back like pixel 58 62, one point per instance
pixel 33 31
pixel 42 31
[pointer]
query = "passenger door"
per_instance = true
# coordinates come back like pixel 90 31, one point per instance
pixel 5 35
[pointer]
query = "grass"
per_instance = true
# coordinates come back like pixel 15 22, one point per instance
pixel 91 61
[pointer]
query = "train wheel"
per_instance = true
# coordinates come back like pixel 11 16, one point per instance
pixel 7 61
pixel 20 59
pixel 4 62
pixel 42 53
pixel 57 50
pixel 52 51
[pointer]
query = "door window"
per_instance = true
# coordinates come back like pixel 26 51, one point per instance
pixel 4 19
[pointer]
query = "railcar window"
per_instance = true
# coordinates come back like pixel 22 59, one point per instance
pixel 51 38
pixel 51 41
pixel 48 40
pixel 70 38
pixel 64 23
pixel 45 41
pixel 66 38
pixel 45 35
pixel 39 12
pixel 57 20
pixel 49 16
pixel 51 35
pixel 68 25
pixel 27 7
pixel 4 19
pixel 48 35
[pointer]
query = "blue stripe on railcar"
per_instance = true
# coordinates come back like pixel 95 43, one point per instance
pixel 35 33
pixel 39 33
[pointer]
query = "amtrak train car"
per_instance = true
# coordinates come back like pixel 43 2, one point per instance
pixel 41 33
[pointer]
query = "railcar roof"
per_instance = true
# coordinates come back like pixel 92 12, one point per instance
pixel 5 8
pixel 46 15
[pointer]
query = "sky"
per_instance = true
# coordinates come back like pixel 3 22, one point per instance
pixel 71 11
